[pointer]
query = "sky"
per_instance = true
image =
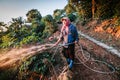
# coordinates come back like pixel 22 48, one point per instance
pixel 14 8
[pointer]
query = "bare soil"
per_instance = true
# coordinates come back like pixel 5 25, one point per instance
pixel 96 30
pixel 104 31
pixel 94 58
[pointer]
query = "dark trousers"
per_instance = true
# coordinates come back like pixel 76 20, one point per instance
pixel 69 52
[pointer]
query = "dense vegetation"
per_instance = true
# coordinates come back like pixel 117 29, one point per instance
pixel 94 8
pixel 20 33
pixel 35 65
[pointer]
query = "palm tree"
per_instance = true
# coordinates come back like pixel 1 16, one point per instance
pixel 16 24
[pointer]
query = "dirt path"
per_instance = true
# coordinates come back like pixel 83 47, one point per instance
pixel 108 48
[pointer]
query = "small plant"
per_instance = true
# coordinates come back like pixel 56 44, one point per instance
pixel 7 41
pixel 35 65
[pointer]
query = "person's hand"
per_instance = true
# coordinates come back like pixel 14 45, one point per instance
pixel 76 42
pixel 51 38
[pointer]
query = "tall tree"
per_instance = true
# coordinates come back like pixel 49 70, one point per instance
pixel 16 24
pixel 50 25
pixel 93 9
pixel 57 14
pixel 83 7
pixel 33 15
pixel 69 8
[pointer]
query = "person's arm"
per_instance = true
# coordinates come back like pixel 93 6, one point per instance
pixel 59 40
pixel 76 36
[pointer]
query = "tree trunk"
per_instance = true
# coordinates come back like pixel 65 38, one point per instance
pixel 93 9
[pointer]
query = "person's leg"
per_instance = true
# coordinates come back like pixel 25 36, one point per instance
pixel 65 53
pixel 71 55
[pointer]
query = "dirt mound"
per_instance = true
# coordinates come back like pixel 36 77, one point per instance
pixel 105 31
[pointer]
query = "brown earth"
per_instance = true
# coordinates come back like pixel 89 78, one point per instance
pixel 97 53
pixel 99 31
pixel 105 31
pixel 97 70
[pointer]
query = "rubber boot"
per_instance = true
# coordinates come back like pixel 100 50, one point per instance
pixel 68 60
pixel 71 64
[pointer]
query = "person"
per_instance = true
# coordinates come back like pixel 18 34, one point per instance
pixel 69 37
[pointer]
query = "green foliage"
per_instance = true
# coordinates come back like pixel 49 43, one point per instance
pixel 103 9
pixel 19 34
pixel 86 8
pixel 73 1
pixel 69 8
pixel 50 26
pixel 14 35
pixel 33 15
pixel 35 64
pixel 57 14
pixel 29 39
pixel 38 27
pixel 83 8
pixel 72 17
pixel 48 18
pixel 16 24
pixel 7 41
pixel 117 10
